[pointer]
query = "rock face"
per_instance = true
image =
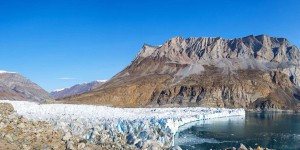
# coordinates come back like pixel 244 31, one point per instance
pixel 14 86
pixel 254 72
pixel 76 89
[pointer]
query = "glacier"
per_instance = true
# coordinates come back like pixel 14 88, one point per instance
pixel 133 126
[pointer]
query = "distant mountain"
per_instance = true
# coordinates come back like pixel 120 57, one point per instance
pixel 254 72
pixel 76 89
pixel 14 86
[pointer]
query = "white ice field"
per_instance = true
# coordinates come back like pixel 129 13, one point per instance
pixel 136 121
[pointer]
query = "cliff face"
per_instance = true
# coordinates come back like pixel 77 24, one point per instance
pixel 255 72
pixel 13 86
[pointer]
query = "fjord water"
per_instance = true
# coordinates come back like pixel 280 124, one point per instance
pixel 271 130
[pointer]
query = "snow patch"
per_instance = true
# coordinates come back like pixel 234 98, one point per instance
pixel 101 80
pixel 3 71
pixel 58 90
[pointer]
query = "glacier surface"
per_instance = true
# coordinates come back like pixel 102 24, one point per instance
pixel 138 125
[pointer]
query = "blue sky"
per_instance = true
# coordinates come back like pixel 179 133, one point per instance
pixel 58 43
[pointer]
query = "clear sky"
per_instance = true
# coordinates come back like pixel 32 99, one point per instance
pixel 58 43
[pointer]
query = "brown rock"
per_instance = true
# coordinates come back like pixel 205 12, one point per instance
pixel 8 146
pixel 8 138
pixel 6 108
pixel 81 146
pixel 215 72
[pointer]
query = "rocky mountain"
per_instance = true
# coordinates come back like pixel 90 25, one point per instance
pixel 14 86
pixel 254 72
pixel 76 89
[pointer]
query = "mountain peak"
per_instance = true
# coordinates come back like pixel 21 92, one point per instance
pixel 250 72
pixel 262 48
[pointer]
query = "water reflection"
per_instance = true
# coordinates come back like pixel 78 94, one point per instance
pixel 272 130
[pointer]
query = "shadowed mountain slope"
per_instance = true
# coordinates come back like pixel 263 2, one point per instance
pixel 76 89
pixel 14 86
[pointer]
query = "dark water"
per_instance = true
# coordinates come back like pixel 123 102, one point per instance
pixel 272 130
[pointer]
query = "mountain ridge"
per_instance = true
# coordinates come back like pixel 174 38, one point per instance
pixel 76 89
pixel 243 72
pixel 14 86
